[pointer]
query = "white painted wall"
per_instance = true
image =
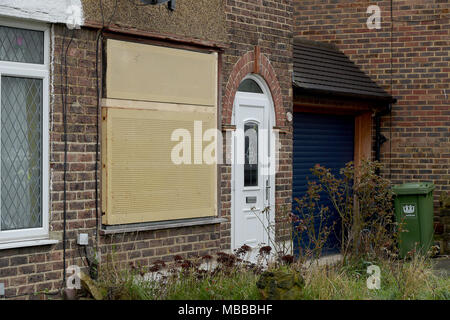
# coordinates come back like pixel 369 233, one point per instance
pixel 53 11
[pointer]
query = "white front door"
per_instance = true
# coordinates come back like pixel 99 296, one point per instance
pixel 253 192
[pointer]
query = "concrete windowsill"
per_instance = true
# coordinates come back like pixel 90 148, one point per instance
pixel 105 230
pixel 27 243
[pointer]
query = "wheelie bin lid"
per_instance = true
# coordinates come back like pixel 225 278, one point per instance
pixel 413 188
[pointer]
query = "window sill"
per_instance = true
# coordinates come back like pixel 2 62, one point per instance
pixel 28 243
pixel 105 230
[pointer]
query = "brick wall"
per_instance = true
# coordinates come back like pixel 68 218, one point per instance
pixel 267 24
pixel 144 248
pixel 26 271
pixel 30 270
pixel 419 148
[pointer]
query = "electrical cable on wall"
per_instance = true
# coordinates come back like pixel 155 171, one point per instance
pixel 97 125
pixel 139 4
pixel 392 86
pixel 170 3
pixel 441 17
pixel 98 96
pixel 99 36
pixel 64 88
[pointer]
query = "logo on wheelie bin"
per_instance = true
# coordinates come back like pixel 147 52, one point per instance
pixel 409 210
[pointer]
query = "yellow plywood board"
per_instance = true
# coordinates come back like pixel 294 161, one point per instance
pixel 140 181
pixel 153 73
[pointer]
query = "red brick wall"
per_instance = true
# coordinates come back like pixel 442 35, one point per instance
pixel 419 148
pixel 267 24
pixel 25 271
pixel 30 270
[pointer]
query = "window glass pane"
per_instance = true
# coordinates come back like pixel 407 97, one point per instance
pixel 21 45
pixel 251 154
pixel 249 85
pixel 21 150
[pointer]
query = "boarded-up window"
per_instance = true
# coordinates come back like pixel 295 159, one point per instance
pixel 152 93
pixel 153 73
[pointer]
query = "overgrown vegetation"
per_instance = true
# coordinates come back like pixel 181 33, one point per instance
pixel 368 237
pixel 400 280
pixel 227 276
pixel 233 279
pixel 363 201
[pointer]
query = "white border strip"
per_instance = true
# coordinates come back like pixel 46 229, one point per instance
pixel 30 243
pixel 53 11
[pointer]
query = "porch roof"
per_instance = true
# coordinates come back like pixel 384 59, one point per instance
pixel 322 68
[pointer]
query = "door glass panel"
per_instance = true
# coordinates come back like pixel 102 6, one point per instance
pixel 251 154
pixel 249 85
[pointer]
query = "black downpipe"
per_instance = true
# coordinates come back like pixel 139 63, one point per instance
pixel 379 138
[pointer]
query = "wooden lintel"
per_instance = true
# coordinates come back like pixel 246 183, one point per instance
pixel 280 129
pixel 228 127
pixel 257 55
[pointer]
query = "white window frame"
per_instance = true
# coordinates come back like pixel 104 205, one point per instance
pixel 36 71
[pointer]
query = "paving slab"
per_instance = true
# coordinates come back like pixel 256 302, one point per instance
pixel 442 266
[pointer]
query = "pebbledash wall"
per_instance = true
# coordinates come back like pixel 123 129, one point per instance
pixel 244 32
pixel 418 131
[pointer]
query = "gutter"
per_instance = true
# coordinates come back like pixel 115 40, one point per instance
pixel 382 99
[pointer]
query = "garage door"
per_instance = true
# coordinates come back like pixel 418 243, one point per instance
pixel 322 139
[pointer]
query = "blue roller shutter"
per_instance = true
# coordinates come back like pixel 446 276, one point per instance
pixel 322 139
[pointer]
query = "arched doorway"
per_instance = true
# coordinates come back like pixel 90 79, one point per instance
pixel 253 174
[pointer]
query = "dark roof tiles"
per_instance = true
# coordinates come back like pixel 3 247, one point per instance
pixel 321 67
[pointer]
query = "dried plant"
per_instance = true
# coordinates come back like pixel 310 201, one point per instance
pixel 364 202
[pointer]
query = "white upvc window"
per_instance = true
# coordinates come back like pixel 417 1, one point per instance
pixel 24 132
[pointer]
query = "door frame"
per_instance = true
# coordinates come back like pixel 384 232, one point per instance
pixel 271 123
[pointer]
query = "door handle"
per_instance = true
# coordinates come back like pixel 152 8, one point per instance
pixel 267 189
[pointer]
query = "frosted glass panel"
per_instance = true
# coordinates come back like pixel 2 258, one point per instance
pixel 21 150
pixel 251 154
pixel 21 45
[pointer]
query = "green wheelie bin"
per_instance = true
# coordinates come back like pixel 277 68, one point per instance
pixel 414 210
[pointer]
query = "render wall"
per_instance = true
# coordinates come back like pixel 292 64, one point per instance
pixel 199 19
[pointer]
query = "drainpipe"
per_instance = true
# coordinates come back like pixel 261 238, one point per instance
pixel 379 138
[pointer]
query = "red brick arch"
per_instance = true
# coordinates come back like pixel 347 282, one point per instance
pixel 245 66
